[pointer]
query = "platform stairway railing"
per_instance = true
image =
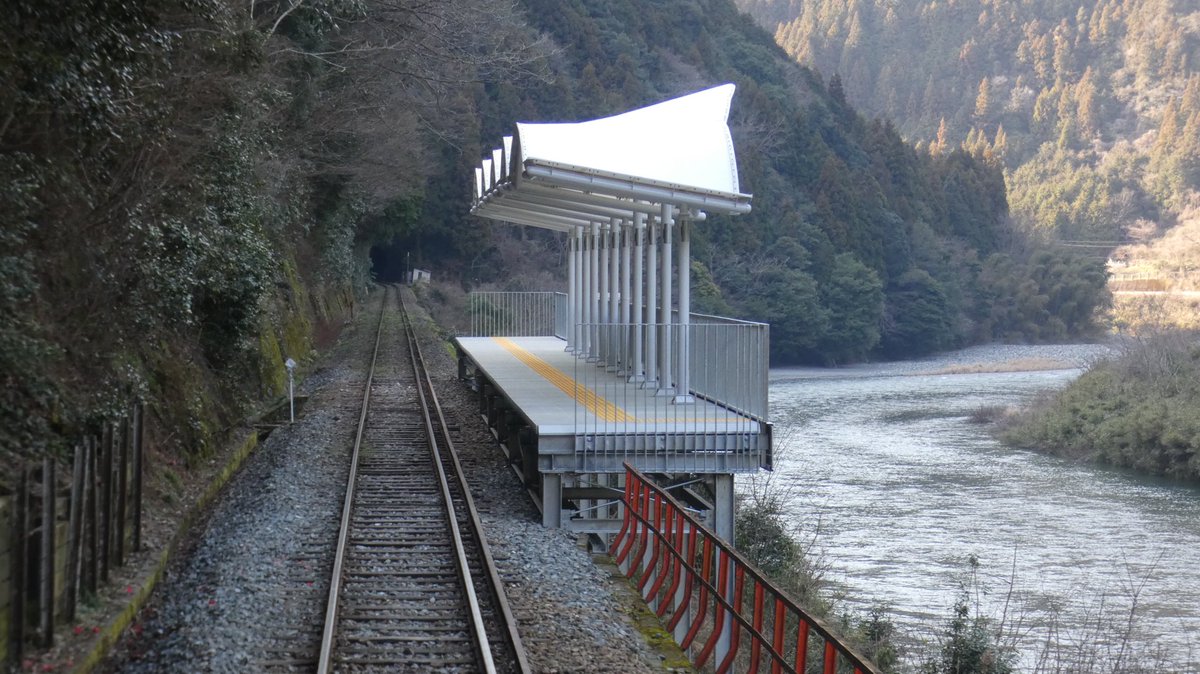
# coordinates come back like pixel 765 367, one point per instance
pixel 518 314
pixel 715 601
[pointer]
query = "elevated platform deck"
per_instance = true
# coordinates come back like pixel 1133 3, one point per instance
pixel 572 416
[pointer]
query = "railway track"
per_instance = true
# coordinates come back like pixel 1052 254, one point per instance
pixel 413 585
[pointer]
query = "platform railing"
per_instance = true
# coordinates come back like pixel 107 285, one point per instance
pixel 715 601
pixel 627 413
pixel 727 361
pixel 518 314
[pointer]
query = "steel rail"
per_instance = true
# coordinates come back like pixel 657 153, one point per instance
pixel 327 635
pixel 483 649
pixel 497 617
pixel 512 636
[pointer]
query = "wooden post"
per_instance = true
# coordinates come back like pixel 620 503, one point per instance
pixel 92 574
pixel 20 576
pixel 74 532
pixel 105 486
pixel 122 489
pixel 138 464
pixel 46 579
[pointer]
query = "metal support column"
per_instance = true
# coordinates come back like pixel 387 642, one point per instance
pixel 651 305
pixel 683 391
pixel 580 295
pixel 594 296
pixel 572 295
pixel 614 292
pixel 666 350
pixel 626 299
pixel 723 517
pixel 585 284
pixel 638 298
pixel 605 289
pixel 551 500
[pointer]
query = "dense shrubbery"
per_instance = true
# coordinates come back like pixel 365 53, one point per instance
pixel 1136 411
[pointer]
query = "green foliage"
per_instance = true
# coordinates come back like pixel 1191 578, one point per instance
pixel 968 646
pixel 1053 90
pixel 854 298
pixel 762 535
pixel 1051 296
pixel 151 185
pixel 1137 411
pixel 791 300
pixel 1065 195
pixel 917 319
pixel 970 642
pixel 706 295
pixel 28 395
pixel 876 636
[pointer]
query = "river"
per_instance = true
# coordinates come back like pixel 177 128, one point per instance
pixel 882 463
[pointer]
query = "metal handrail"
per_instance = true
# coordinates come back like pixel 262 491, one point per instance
pixel 518 314
pixel 655 521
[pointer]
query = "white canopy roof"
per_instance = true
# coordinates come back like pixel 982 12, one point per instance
pixel 679 153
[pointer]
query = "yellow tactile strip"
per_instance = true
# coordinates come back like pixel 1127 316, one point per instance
pixel 597 405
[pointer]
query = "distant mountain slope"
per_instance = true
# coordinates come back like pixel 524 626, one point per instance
pixel 1094 106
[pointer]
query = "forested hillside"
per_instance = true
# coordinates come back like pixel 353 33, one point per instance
pixel 858 245
pixel 1093 106
pixel 189 190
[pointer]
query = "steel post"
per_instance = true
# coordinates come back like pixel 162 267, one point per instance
pixel 638 298
pixel 626 301
pixel 605 289
pixel 551 500
pixel 651 305
pixel 683 391
pixel 580 295
pixel 571 295
pixel 666 351
pixel 593 292
pixel 614 286
pixel 723 525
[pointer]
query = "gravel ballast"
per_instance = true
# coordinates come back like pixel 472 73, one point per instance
pixel 255 574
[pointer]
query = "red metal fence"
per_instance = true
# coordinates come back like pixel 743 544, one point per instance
pixel 685 564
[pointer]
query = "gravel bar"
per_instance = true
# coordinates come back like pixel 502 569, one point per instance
pixel 255 575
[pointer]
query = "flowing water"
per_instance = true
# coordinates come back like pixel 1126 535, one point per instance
pixel 883 464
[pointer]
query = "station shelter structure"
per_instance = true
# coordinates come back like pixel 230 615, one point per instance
pixel 617 369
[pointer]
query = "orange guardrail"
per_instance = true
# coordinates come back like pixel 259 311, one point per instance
pixel 694 558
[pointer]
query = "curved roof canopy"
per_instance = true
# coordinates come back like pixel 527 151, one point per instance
pixel 678 153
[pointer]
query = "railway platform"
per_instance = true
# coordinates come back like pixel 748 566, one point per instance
pixel 618 370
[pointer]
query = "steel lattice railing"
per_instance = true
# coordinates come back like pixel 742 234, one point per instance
pixel 523 314
pixel 694 559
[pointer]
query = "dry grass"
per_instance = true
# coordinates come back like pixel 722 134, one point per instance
pixel 1017 365
pixel 1138 314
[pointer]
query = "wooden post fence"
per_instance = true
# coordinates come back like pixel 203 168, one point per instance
pixel 103 506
